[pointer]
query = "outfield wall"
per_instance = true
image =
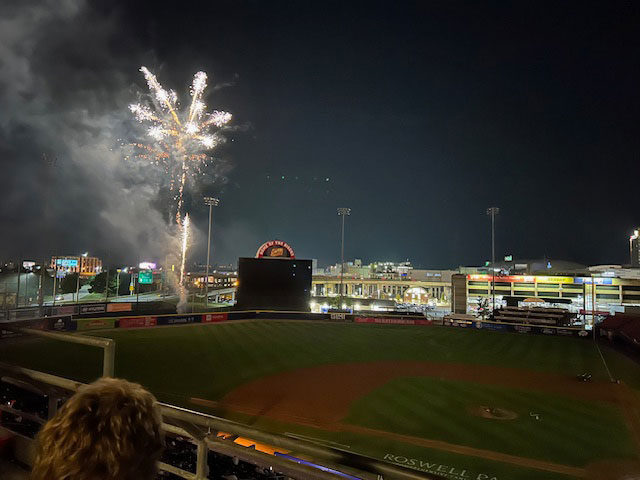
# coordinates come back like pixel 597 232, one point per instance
pixel 67 323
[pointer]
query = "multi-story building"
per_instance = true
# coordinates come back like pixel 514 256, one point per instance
pixel 82 264
pixel 216 279
pixel 399 282
pixel 599 289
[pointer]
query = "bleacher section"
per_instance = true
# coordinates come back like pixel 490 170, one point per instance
pixel 553 317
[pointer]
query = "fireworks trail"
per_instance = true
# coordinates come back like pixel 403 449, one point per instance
pixel 185 245
pixel 178 138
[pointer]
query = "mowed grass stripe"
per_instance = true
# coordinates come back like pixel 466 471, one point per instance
pixel 571 431
pixel 248 350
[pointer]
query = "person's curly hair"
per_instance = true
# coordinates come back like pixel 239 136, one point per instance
pixel 110 429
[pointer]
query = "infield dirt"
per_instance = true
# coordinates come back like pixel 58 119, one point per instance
pixel 321 397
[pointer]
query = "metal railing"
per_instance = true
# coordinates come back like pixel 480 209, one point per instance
pixel 108 345
pixel 202 430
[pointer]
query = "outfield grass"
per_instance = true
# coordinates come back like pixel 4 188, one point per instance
pixel 229 354
pixel 208 361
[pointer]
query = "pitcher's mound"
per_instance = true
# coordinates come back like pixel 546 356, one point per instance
pixel 494 413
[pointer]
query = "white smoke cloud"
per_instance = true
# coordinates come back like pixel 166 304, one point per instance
pixel 63 94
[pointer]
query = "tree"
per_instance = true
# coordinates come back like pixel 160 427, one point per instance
pixel 98 282
pixel 69 283
pixel 334 302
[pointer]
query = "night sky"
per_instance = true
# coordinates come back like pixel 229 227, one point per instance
pixel 417 115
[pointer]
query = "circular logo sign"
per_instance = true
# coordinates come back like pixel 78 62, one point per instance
pixel 275 249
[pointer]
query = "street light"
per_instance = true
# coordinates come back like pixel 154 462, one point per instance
pixel 492 212
pixel 212 202
pixel 343 212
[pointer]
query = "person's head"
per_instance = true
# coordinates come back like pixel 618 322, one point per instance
pixel 110 429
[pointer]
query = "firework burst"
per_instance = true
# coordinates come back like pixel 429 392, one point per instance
pixel 179 138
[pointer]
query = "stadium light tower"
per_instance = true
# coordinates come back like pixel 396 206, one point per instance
pixel 492 212
pixel 212 202
pixel 343 212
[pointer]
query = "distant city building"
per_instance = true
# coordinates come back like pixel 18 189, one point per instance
pixel 383 282
pixel 82 264
pixel 216 280
pixel 608 288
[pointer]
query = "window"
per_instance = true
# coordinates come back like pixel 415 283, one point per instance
pixel 548 294
pixel 478 292
pixel 606 288
pixel 566 294
pixel 607 296
pixel 525 293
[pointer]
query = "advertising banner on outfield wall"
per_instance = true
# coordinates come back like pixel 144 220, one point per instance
pixel 138 322
pixel 179 319
pixel 492 326
pixel 119 307
pixel 393 320
pixel 95 323
pixel 67 310
pixel 93 308
pixel 214 317
pixel 61 324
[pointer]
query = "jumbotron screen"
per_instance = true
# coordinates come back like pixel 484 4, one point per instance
pixel 274 284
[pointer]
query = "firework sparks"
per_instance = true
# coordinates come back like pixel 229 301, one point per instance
pixel 179 137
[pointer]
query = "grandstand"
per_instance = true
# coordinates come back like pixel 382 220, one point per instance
pixel 556 317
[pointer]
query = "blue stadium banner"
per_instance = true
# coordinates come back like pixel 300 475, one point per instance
pixel 491 326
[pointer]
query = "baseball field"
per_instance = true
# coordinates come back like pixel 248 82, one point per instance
pixel 463 404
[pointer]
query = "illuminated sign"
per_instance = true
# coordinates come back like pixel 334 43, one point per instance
pixel 145 278
pixel 523 278
pixel 147 266
pixel 275 249
pixel 28 265
pixel 505 278
pixel 508 258
pixel 596 280
pixel 67 262
pixel 543 279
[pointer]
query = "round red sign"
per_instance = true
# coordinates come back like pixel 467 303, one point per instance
pixel 275 249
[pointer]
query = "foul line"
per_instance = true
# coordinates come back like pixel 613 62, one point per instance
pixel 604 361
pixel 471 451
